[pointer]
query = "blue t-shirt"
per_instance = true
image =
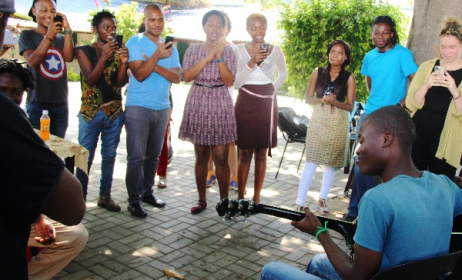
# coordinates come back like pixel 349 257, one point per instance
pixel 388 72
pixel 152 93
pixel 408 219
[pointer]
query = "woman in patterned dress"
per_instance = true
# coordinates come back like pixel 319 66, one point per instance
pixel 327 135
pixel 256 104
pixel 208 118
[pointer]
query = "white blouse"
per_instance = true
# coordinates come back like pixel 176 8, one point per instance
pixel 263 74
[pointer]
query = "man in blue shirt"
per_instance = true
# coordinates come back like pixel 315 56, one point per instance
pixel 391 229
pixel 387 69
pixel 154 66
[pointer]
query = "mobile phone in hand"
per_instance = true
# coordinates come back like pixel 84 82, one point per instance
pixel 440 69
pixel 10 38
pixel 169 39
pixel 119 40
pixel 264 47
pixel 58 18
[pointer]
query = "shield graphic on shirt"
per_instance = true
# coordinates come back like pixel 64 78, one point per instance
pixel 53 67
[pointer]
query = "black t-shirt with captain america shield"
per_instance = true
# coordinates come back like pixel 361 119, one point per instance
pixel 51 75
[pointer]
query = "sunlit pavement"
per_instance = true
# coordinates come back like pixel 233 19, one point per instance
pixel 195 246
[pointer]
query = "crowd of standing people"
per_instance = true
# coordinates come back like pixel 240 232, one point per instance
pixel 403 149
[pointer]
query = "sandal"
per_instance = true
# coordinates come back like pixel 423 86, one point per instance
pixel 200 206
pixel 322 207
pixel 299 208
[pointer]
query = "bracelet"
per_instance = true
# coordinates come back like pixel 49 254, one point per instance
pixel 48 38
pixel 457 97
pixel 322 229
pixel 220 60
pixel 67 31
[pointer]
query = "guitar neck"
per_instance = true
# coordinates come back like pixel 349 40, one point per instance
pixel 346 229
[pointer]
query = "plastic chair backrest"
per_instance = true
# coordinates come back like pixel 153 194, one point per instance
pixel 428 269
pixel 293 125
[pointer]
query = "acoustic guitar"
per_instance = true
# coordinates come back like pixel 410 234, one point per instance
pixel 235 209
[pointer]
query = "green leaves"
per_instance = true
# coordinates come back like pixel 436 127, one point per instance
pixel 311 27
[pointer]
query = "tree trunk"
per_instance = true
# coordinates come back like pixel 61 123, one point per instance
pixel 426 26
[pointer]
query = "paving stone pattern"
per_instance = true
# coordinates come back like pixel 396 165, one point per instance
pixel 196 246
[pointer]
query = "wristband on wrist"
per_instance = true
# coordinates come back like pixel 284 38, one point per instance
pixel 322 229
pixel 457 97
pixel 67 31
pixel 220 60
pixel 48 38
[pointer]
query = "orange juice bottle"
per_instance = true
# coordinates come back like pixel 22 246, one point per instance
pixel 45 126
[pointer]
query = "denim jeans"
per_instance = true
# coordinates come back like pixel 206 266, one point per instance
pixel 361 182
pixel 145 136
pixel 89 133
pixel 59 116
pixel 318 268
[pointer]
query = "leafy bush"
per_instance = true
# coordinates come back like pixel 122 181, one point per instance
pixel 72 76
pixel 311 27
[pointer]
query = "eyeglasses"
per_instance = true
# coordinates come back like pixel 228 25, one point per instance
pixel 329 89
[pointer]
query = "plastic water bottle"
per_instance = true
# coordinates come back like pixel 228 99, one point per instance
pixel 45 126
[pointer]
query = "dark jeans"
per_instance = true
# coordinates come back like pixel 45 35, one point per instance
pixel 145 136
pixel 59 116
pixel 361 182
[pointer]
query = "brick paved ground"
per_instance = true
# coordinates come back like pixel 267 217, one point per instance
pixel 197 246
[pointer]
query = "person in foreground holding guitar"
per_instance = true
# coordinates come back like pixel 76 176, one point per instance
pixel 391 230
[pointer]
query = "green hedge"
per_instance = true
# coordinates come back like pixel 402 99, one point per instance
pixel 311 27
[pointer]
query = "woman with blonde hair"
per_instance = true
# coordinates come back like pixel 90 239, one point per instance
pixel 434 98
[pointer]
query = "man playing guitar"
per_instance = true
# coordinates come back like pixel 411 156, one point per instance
pixel 396 219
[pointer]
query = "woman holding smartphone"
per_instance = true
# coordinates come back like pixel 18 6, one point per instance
pixel 256 105
pixel 436 105
pixel 331 91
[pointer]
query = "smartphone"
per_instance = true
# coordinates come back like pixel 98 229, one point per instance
pixel 119 40
pixel 264 47
pixel 58 18
pixel 10 38
pixel 439 68
pixel 169 39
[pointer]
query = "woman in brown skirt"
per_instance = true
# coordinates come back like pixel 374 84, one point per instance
pixel 256 105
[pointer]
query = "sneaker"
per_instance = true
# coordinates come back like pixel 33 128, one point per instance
pixel 211 179
pixel 105 201
pixel 233 184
